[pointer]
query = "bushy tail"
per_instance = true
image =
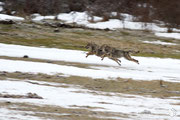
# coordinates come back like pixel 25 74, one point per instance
pixel 133 52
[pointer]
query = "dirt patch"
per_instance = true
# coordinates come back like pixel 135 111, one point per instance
pixel 29 95
pixel 156 88
pixel 59 113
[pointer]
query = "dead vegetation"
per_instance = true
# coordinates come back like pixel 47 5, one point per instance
pixel 28 95
pixel 156 88
pixel 37 34
pixel 60 113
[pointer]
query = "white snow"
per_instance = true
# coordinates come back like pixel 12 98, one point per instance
pixel 51 69
pixel 169 35
pixel 1 8
pixel 9 17
pixel 1 3
pixel 159 42
pixel 77 17
pixel 83 19
pixel 112 24
pixel 38 17
pixel 71 97
pixel 7 114
pixel 148 69
pixel 127 17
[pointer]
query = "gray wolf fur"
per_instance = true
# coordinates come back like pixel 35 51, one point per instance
pixel 110 52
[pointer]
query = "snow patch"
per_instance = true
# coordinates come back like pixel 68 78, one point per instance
pixel 51 69
pixel 1 3
pixel 148 69
pixel 133 105
pixel 168 35
pixel 159 42
pixel 1 8
pixel 9 17
pixel 82 18
pixel 8 114
pixel 38 17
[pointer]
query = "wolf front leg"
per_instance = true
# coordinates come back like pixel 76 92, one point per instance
pixel 103 56
pixel 128 57
pixel 89 53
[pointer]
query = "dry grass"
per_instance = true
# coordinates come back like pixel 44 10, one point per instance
pixel 59 113
pixel 39 35
pixel 127 86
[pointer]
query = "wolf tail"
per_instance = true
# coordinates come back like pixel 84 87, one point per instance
pixel 134 52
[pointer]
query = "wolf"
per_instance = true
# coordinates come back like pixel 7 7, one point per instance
pixel 100 51
pixel 116 53
pixel 93 49
pixel 107 50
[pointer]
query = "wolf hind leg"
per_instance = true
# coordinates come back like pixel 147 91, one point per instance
pixel 128 57
pixel 116 60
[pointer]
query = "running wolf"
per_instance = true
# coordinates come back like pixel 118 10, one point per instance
pixel 99 51
pixel 116 53
pixel 107 50
pixel 110 52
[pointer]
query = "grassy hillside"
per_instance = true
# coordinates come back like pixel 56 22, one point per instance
pixel 33 34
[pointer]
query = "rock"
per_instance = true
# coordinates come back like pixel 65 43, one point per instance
pixel 7 22
pixel 49 62
pixel 29 95
pixel 8 102
pixel 33 95
pixel 3 73
pixel 56 30
pixel 107 29
pixel 25 56
pixel 65 25
pixel 146 112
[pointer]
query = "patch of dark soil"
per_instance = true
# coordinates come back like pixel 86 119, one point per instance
pixel 7 22
pixel 28 95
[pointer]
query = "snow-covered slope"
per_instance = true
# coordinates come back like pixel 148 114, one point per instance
pixel 56 94
pixel 9 17
pixel 137 107
pixel 148 69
